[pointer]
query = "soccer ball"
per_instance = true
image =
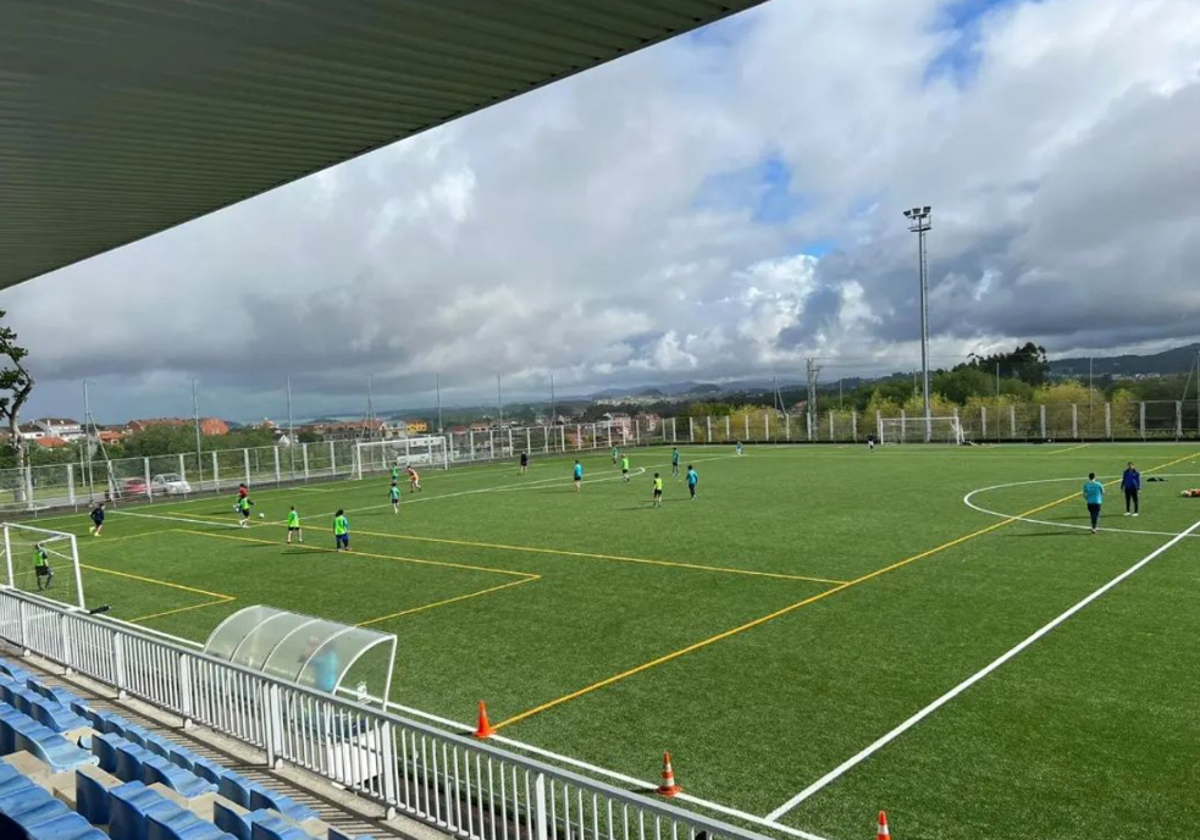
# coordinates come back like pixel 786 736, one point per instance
pixel 262 516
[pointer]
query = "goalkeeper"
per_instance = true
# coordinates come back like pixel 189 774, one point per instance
pixel 41 567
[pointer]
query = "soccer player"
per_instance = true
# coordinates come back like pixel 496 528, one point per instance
pixel 97 519
pixel 395 473
pixel 394 494
pixel 658 488
pixel 1093 494
pixel 1131 483
pixel 693 478
pixel 414 480
pixel 341 530
pixel 243 491
pixel 625 468
pixel 244 504
pixel 675 461
pixel 578 475
pixel 41 567
pixel 870 443
pixel 524 463
pixel 616 455
pixel 738 449
pixel 293 525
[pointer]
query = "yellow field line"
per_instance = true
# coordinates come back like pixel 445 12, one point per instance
pixel 167 583
pixel 616 557
pixel 453 600
pixel 309 547
pixel 798 605
pixel 224 600
pixel 1068 449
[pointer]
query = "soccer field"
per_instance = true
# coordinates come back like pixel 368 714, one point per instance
pixel 780 629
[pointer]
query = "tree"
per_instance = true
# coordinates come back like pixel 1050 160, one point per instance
pixel 18 384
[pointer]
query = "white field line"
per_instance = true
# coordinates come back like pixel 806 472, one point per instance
pixel 967 500
pixel 640 784
pixel 884 740
pixel 169 518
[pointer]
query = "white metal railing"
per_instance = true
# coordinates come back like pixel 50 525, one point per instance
pixel 455 783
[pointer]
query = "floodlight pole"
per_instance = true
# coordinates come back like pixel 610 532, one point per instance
pixel 196 421
pixel 919 222
pixel 437 389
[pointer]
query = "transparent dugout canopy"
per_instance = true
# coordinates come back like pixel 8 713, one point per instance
pixel 312 652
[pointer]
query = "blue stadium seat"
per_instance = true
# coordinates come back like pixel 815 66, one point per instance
pixel 56 716
pixel 231 821
pixel 337 834
pixel 52 748
pixel 205 769
pixel 130 758
pixel 91 798
pixel 270 827
pixel 84 711
pixel 235 788
pixel 138 734
pixel 130 805
pixel 9 719
pixel 23 699
pixel 157 770
pixel 66 827
pixel 159 746
pixel 261 797
pixel 104 747
pixel 32 807
pixel 181 825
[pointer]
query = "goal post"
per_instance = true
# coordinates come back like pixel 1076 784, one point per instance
pixel 22 546
pixel 381 455
pixel 921 430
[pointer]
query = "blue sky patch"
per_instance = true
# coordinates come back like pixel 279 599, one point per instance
pixel 763 188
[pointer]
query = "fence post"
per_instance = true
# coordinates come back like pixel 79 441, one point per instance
pixel 728 424
pixel 528 440
pixel 746 417
pixel 691 429
pixel 8 558
pixel 1178 419
pixel 540 817
pixel 492 443
pixel 246 463
pixel 1074 421
pixel 332 460
pixel 146 468
pixel 304 459
pixel 637 432
pixel 388 754
pixel 983 422
pixel 787 427
pixel 1012 422
pixel 182 468
pixel 278 477
pixel 903 426
pixel 578 437
pixel 879 425
pixel 1042 420
pixel 1142 419
pixel 854 424
pixel 71 484
pixel 510 443
pixel 767 426
pixel 216 470
pixel 471 442
pixel 832 427
pixel 708 429
pixel 1108 420
pixel 29 485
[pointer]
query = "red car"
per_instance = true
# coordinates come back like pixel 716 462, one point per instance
pixel 135 487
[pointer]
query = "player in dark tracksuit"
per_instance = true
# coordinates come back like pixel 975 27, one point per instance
pixel 1131 483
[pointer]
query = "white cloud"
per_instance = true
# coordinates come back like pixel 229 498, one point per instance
pixel 568 231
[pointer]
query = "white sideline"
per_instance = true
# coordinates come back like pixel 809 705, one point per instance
pixel 883 741
pixel 640 784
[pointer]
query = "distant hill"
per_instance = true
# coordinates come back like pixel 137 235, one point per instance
pixel 1176 360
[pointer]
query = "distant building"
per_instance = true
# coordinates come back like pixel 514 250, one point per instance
pixel 209 426
pixel 416 427
pixel 356 430
pixel 51 442
pixel 60 427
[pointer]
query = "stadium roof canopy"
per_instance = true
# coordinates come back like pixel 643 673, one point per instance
pixel 120 118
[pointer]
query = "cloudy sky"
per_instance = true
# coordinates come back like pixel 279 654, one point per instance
pixel 723 205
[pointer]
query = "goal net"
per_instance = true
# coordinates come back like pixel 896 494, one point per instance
pixel 381 455
pixel 921 430
pixel 43 562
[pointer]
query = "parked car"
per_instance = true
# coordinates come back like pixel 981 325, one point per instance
pixel 135 487
pixel 171 484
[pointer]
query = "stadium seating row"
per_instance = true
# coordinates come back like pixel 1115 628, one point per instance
pixel 73 772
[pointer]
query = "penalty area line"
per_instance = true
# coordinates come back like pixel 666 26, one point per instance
pixel 895 733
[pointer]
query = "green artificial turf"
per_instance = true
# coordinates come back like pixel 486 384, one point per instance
pixel 518 591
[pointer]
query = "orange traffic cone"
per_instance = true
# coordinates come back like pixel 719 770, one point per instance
pixel 668 786
pixel 883 834
pixel 484 729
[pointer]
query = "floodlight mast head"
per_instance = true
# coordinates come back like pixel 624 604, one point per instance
pixel 920 219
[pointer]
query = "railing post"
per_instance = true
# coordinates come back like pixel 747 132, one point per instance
pixel 1142 419
pixel 787 427
pixel 728 433
pixel 691 429
pixel 1178 420
pixel 983 421
pixel 387 754
pixel 766 426
pixel 71 484
pixel 185 689
pixel 66 641
pixel 246 464
pixel 541 819
pixel 278 476
pixel 854 424
pixel 24 640
pixel 304 458
pixel 1108 420
pixel 332 460
pixel 879 426
pixel 1074 421
pixel 1042 420
pixel 8 559
pixel 216 470
pixel 29 487
pixel 1012 422
pixel 183 468
pixel 119 675
pixel 146 469
pixel 708 429
pixel 273 725
pixel 832 428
